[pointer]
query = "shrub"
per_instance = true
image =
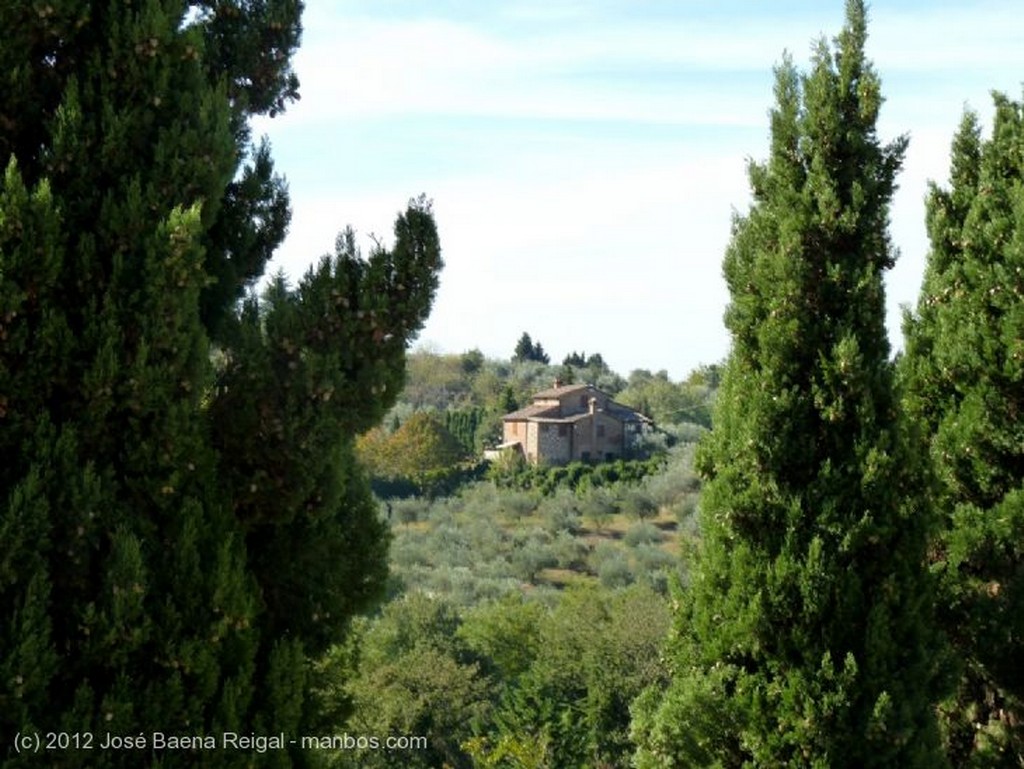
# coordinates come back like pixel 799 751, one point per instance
pixel 529 559
pixel 686 511
pixel 451 545
pixel 516 505
pixel 516 474
pixel 688 432
pixel 479 500
pixel 604 551
pixel 408 510
pixel 468 587
pixel 598 507
pixel 570 552
pixel 643 534
pixel 410 549
pixel 637 504
pixel 614 571
pixel 574 472
pixel 561 512
pixel 440 513
pixel 650 559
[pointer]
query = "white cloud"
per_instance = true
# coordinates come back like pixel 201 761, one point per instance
pixel 610 242
pixel 428 66
pixel 596 261
pixel 968 37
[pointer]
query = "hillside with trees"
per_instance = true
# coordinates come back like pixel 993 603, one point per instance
pixel 449 384
pixel 522 622
pixel 528 605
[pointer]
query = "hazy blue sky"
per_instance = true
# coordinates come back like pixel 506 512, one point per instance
pixel 585 158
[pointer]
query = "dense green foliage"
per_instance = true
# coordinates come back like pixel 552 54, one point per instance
pixel 577 476
pixel 421 456
pixel 508 683
pixel 182 522
pixel 964 373
pixel 805 637
pixel 410 672
pixel 465 425
pixel 592 655
pixel 668 402
pixel 420 444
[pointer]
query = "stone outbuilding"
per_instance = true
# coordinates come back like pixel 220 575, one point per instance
pixel 574 422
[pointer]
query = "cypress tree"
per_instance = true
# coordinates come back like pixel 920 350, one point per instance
pixel 805 637
pixel 182 523
pixel 524 348
pixel 963 369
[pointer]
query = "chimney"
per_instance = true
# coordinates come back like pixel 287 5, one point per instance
pixel 593 405
pixel 558 383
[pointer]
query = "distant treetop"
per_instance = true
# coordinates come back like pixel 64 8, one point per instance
pixel 527 349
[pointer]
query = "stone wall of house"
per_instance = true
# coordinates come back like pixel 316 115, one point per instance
pixel 531 443
pixel 554 442
pixel 514 432
pixel 579 402
pixel 598 438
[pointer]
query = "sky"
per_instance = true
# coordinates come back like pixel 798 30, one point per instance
pixel 585 159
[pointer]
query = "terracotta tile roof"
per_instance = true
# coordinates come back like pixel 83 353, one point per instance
pixel 557 392
pixel 546 412
pixel 533 410
pixel 626 414
pixel 561 420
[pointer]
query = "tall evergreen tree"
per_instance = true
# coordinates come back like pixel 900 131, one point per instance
pixel 176 537
pixel 524 348
pixel 964 368
pixel 805 638
pixel 527 349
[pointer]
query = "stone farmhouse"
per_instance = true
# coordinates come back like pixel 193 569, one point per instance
pixel 574 422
